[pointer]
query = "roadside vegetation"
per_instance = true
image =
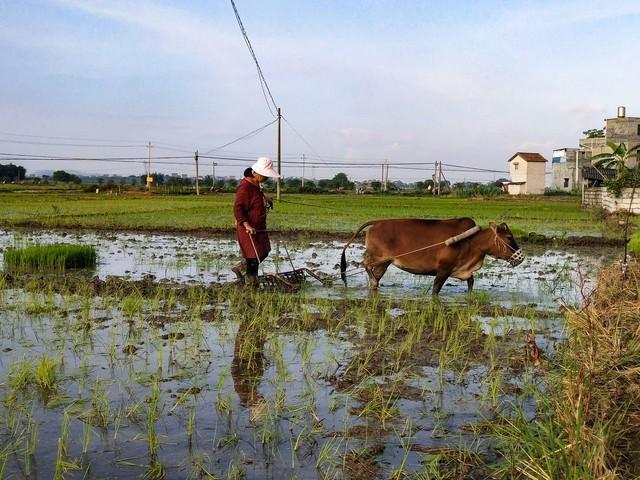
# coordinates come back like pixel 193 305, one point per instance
pixel 588 426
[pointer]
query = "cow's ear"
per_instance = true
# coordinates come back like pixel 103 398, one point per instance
pixel 503 227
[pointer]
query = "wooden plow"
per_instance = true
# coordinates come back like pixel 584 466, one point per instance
pixel 290 281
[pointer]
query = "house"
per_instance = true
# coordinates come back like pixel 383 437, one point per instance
pixel 527 172
pixel 621 129
pixel 566 165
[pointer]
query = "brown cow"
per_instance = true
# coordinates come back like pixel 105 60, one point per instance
pixel 426 247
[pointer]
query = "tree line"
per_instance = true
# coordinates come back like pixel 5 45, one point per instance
pixel 12 173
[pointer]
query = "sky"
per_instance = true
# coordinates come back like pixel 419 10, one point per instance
pixel 463 82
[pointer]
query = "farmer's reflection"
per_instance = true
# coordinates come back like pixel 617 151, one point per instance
pixel 248 362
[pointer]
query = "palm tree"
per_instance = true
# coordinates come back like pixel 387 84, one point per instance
pixel 617 158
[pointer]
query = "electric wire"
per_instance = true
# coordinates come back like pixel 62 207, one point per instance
pixel 263 80
pixel 243 137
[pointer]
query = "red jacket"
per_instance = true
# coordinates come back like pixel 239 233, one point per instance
pixel 250 206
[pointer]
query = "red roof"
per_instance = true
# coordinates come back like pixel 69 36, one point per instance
pixel 529 157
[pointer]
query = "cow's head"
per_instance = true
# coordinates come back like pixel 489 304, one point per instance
pixel 504 246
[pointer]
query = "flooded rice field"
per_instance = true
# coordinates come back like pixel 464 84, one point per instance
pixel 189 376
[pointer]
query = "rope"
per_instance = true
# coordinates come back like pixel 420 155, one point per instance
pixel 449 241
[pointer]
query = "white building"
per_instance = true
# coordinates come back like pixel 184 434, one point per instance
pixel 527 172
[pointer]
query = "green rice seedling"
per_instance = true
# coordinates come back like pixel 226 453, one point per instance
pixel 63 464
pixel 231 439
pixel 155 470
pixel 236 470
pixel 191 422
pixel 45 374
pixel 131 306
pixel 199 467
pixel 405 438
pixel 329 457
pixel 49 258
pixel 380 405
pixel 20 375
pixel 31 442
pixel 153 413
pixel 100 412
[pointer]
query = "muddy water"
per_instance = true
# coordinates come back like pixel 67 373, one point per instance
pixel 548 276
pixel 262 404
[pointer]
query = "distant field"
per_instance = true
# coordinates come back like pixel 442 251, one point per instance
pixel 313 213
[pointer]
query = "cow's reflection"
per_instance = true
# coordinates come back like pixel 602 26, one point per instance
pixel 248 366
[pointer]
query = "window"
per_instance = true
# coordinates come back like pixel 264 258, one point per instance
pixel 566 183
pixel 639 129
pixel 515 165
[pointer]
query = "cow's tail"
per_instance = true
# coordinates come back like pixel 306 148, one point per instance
pixel 343 258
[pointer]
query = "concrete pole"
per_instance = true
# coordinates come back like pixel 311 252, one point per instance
pixel 279 157
pixel 149 167
pixel 302 181
pixel 197 175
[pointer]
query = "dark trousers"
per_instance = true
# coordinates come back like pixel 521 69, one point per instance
pixel 252 266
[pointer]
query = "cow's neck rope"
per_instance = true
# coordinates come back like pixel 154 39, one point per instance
pixel 501 240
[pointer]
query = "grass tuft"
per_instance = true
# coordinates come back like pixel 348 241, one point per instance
pixel 44 258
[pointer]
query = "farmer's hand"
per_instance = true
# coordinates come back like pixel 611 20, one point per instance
pixel 249 229
pixel 269 202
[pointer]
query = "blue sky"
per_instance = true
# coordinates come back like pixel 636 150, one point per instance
pixel 460 82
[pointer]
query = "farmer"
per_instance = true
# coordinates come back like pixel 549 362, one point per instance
pixel 250 210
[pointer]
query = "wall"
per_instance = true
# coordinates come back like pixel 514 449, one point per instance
pixel 560 171
pixel 519 174
pixel 515 189
pixel 599 197
pixel 535 178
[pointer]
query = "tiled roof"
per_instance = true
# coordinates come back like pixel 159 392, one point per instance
pixel 529 157
pixel 592 173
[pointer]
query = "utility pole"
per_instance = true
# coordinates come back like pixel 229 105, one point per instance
pixel 302 182
pixel 382 178
pixel 197 175
pixel 149 179
pixel 213 174
pixel 279 157
pixel 386 175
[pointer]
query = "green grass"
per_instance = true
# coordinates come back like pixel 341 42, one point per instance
pixel 44 258
pixel 331 213
pixel 634 244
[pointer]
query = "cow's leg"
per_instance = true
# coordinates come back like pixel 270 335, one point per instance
pixel 438 283
pixel 470 284
pixel 376 272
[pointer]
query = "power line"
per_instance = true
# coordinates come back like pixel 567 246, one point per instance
pixel 93 145
pixel 416 166
pixel 304 140
pixel 263 81
pixel 243 137
pixel 10 134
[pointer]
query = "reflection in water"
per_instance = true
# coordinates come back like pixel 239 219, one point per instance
pixel 247 366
